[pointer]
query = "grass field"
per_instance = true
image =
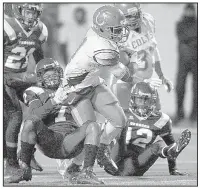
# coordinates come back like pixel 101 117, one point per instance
pixel 157 175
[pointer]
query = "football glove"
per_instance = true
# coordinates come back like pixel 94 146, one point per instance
pixel 154 82
pixel 167 83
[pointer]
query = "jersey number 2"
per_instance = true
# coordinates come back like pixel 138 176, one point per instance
pixel 146 137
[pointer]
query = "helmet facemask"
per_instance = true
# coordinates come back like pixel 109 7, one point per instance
pixel 28 14
pixel 119 34
pixel 50 77
pixel 142 105
pixel 134 18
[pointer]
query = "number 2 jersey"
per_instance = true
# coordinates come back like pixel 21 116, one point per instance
pixel 19 44
pixel 39 103
pixel 142 133
pixel 144 44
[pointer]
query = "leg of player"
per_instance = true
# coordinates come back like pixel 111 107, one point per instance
pixel 87 120
pixel 158 149
pixel 28 141
pixel 13 111
pixel 75 166
pixel 111 110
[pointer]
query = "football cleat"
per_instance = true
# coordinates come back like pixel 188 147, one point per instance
pixel 11 166
pixel 177 173
pixel 72 171
pixel 86 176
pixel 21 174
pixel 176 148
pixel 73 168
pixel 104 160
pixel 33 164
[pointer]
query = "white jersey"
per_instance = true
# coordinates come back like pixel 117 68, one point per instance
pixel 144 45
pixel 83 69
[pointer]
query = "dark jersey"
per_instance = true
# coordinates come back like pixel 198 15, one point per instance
pixel 39 102
pixel 19 44
pixel 144 132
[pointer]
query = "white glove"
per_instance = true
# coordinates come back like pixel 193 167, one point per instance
pixel 60 95
pixel 154 82
pixel 167 84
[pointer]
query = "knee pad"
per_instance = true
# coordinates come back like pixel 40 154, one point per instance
pixel 28 126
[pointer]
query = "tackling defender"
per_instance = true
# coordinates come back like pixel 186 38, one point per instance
pixel 48 124
pixel 24 35
pixel 137 149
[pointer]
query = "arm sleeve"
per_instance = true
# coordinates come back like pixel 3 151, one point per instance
pixel 38 54
pixel 158 69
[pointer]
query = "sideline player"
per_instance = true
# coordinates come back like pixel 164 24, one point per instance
pixel 137 149
pixel 48 124
pixel 24 35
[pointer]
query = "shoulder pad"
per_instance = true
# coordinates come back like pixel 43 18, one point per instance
pixel 151 21
pixel 44 32
pixel 9 30
pixel 105 49
pixel 32 93
pixel 161 122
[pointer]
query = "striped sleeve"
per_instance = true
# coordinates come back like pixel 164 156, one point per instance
pixel 9 31
pixel 160 123
pixel 106 57
pixel 44 33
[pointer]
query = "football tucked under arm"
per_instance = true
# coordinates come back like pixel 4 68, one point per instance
pixel 110 58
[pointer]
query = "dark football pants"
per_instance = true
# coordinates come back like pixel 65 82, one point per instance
pixel 14 84
pixel 12 116
pixel 138 160
pixel 60 141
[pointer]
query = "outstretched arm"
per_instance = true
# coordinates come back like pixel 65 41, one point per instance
pixel 159 72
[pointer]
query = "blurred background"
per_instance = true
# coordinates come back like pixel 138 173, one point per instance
pixel 68 23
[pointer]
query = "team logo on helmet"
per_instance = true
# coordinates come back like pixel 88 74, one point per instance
pixel 102 20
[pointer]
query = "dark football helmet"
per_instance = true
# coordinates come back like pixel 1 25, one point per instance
pixel 143 100
pixel 28 13
pixel 49 73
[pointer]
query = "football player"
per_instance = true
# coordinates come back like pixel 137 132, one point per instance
pixel 86 92
pixel 137 149
pixel 139 53
pixel 24 35
pixel 48 124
